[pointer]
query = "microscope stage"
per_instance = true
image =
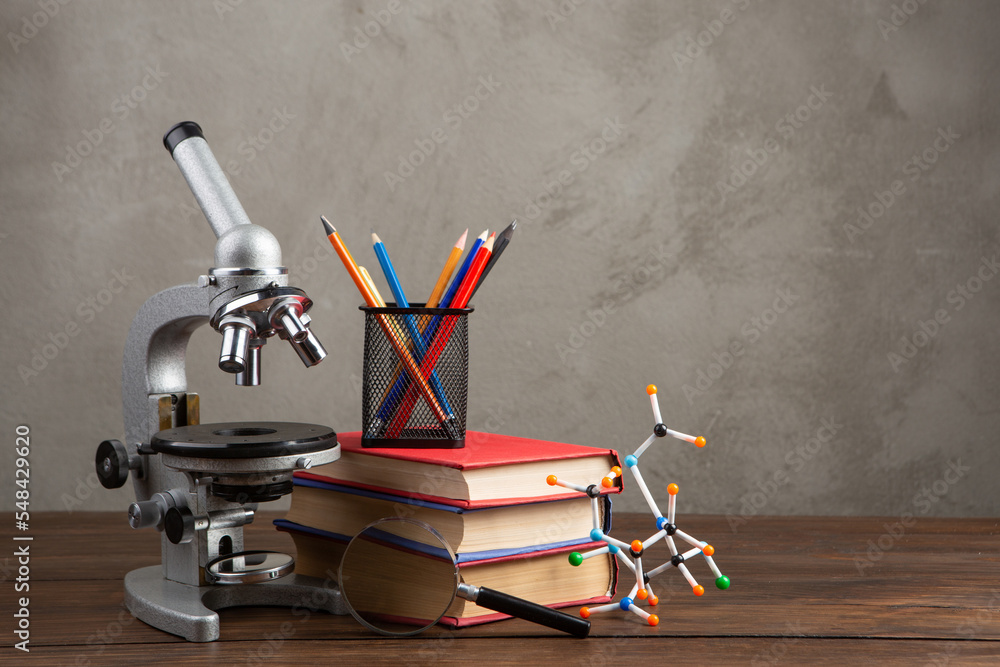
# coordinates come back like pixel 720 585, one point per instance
pixel 244 440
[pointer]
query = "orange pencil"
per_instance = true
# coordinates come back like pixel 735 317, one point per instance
pixel 447 271
pixel 349 263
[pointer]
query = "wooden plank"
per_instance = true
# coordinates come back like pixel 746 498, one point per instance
pixel 797 588
pixel 549 650
pixel 117 549
pixel 88 612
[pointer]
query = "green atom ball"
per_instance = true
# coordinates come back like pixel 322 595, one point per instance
pixel 576 558
pixel 722 582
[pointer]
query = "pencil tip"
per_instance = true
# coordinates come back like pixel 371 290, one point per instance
pixel 375 238
pixel 460 243
pixel 489 243
pixel 330 229
pixel 509 232
pixel 482 237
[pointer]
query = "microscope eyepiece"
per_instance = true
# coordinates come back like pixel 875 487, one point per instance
pixel 181 131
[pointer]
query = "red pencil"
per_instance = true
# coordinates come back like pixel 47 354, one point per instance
pixel 464 292
pixel 440 339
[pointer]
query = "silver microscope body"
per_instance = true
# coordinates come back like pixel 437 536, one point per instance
pixel 199 484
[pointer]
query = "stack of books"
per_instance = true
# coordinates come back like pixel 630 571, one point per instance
pixel 509 529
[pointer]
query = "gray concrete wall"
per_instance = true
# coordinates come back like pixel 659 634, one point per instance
pixel 653 261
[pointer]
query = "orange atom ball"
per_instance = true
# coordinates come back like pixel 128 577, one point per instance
pixel 551 480
pixel 585 612
pixel 672 489
pixel 607 482
pixel 653 619
pixel 642 594
pixel 699 441
pixel 651 389
pixel 708 550
pixel 636 545
pixel 699 590
pixel 653 601
pixel 616 470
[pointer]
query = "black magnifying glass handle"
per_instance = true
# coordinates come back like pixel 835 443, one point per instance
pixel 521 608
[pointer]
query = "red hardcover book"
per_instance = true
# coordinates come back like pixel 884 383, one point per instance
pixel 490 471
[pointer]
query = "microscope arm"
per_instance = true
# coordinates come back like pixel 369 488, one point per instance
pixel 153 366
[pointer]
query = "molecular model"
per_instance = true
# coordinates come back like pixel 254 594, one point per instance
pixel 666 530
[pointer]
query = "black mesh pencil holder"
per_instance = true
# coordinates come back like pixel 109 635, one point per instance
pixel 416 377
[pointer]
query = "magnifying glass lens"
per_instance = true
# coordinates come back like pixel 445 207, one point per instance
pixel 398 577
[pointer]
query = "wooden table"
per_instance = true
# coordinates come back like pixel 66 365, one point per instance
pixel 813 590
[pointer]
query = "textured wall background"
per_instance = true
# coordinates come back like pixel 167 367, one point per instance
pixel 652 262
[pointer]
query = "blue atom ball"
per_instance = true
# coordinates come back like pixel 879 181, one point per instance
pixel 625 604
pixel 612 549
pixel 631 461
pixel 660 522
pixel 596 535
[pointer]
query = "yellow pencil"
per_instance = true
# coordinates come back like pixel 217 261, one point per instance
pixel 447 271
pixel 371 286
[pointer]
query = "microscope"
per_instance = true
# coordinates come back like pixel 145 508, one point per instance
pixel 199 484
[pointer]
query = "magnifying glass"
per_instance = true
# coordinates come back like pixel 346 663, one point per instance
pixel 399 577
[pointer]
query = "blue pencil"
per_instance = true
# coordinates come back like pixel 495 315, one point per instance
pixel 389 406
pixel 420 348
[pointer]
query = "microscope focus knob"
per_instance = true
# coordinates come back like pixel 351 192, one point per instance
pixel 144 514
pixel 112 464
pixel 179 525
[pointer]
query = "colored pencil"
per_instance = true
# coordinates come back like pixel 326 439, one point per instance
pixel 462 296
pixel 390 401
pixel 398 385
pixel 371 286
pixel 449 268
pixel 400 347
pixel 409 321
pixel 460 275
pixel 349 263
pixel 498 247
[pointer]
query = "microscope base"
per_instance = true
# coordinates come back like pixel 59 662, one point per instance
pixel 190 611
